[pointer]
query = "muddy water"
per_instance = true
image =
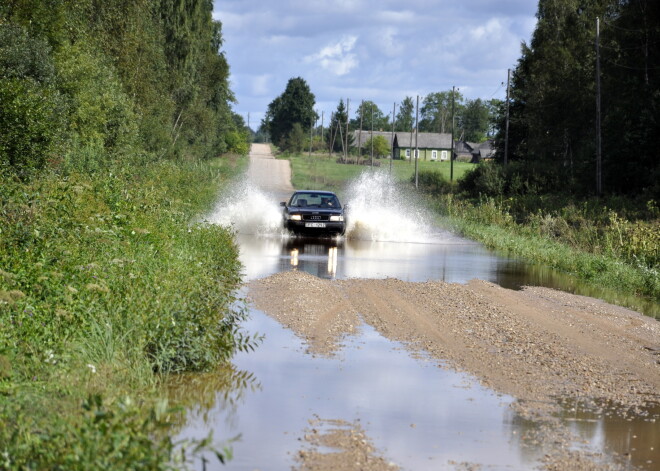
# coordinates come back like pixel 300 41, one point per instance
pixel 417 414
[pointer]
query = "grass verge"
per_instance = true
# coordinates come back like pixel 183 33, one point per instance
pixel 105 285
pixel 322 172
pixel 491 224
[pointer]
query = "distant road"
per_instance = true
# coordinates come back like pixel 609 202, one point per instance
pixel 270 174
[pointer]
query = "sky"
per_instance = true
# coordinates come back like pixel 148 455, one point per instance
pixel 372 50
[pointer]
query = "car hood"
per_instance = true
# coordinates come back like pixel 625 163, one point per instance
pixel 295 209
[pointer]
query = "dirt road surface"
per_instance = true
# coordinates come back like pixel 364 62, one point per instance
pixel 539 345
pixel 270 174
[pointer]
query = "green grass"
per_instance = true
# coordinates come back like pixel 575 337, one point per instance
pixel 491 224
pixel 322 172
pixel 106 284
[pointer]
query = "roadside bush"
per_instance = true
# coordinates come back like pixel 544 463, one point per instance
pixel 103 281
pixel 237 142
pixel 485 179
pixel 101 115
pixel 106 435
pixel 516 179
pixel 24 57
pixel 432 182
pixel 31 124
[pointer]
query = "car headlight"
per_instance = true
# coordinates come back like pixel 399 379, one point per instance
pixel 295 217
pixel 337 218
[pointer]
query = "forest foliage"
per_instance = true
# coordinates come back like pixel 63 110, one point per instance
pixel 84 83
pixel 112 114
pixel 553 118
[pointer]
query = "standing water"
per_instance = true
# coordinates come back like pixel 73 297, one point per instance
pixel 420 416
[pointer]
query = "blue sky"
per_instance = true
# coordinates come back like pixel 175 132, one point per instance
pixel 372 50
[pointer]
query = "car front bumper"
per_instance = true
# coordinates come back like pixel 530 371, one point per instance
pixel 314 227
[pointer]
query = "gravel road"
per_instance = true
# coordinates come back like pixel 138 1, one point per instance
pixel 539 345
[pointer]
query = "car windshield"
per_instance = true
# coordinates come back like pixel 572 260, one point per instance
pixel 314 200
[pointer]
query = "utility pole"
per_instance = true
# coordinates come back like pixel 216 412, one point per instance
pixel 412 123
pixel 322 137
pixel 416 148
pixel 392 150
pixel 333 134
pixel 451 155
pixel 311 130
pixel 360 130
pixel 506 129
pixel 372 136
pixel 599 155
pixel 347 119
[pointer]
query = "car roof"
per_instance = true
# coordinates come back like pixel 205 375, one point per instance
pixel 320 192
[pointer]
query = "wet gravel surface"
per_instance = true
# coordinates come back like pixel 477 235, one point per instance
pixel 538 345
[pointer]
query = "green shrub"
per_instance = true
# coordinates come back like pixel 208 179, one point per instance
pixel 105 280
pixel 24 57
pixel 31 124
pixel 117 436
pixel 101 115
pixel 237 142
pixel 432 182
pixel 485 179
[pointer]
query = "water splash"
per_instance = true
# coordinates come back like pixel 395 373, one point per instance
pixel 380 211
pixel 248 210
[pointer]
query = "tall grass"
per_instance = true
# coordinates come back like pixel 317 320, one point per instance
pixel 593 243
pixel 106 282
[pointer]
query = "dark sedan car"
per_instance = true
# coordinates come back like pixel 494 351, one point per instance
pixel 314 212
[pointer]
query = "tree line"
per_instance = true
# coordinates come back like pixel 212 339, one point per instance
pixel 553 119
pixel 291 118
pixel 84 83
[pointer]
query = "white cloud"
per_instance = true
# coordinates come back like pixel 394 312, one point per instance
pixel 260 84
pixel 380 50
pixel 337 58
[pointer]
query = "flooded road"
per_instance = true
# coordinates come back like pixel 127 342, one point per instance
pixel 416 413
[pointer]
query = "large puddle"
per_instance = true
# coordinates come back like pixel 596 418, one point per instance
pixel 419 415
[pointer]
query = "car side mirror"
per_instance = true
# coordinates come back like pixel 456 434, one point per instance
pixel 282 203
pixel 345 206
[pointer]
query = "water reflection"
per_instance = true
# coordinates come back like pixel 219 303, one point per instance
pixel 638 439
pixel 200 393
pixel 419 415
pixel 445 257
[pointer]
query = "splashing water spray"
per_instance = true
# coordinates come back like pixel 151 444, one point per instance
pixel 248 210
pixel 379 211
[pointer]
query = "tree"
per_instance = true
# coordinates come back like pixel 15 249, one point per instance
pixel 295 140
pixel 294 105
pixel 496 107
pixel 369 114
pixel 436 111
pixel 552 110
pixel 405 118
pixel 337 129
pixel 380 145
pixel 474 121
